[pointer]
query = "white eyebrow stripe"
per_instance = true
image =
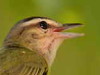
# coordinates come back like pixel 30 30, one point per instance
pixel 34 21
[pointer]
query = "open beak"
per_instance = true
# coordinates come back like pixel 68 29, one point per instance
pixel 67 27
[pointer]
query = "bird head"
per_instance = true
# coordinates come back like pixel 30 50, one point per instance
pixel 41 34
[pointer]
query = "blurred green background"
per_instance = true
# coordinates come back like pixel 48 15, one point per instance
pixel 79 56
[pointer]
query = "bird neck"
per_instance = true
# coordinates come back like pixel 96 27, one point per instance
pixel 47 49
pixel 44 47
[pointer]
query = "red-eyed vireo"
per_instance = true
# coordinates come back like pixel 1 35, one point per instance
pixel 31 45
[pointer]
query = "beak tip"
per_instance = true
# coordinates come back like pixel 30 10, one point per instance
pixel 72 25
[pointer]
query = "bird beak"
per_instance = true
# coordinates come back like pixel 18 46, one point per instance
pixel 67 27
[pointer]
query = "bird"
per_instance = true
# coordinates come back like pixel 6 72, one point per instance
pixel 31 45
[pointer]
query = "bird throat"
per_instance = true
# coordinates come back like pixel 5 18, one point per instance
pixel 49 49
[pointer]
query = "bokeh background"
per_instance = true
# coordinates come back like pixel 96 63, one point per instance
pixel 79 56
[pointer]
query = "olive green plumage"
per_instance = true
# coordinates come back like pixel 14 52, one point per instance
pixel 21 61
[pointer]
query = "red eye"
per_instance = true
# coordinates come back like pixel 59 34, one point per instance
pixel 43 25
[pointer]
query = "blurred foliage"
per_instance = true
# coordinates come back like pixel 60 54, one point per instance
pixel 79 56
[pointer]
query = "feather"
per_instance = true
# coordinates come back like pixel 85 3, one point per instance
pixel 22 62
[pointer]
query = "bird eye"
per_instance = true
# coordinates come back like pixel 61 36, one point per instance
pixel 43 25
